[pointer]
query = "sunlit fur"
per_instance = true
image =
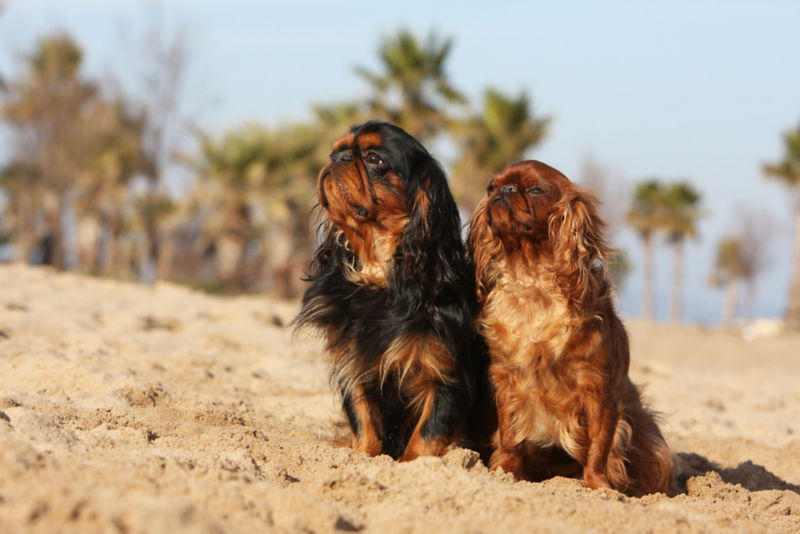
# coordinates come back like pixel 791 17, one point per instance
pixel 559 353
pixel 394 296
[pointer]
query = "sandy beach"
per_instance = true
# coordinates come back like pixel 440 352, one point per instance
pixel 126 408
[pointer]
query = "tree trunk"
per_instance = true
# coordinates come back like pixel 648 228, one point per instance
pixel 166 258
pixel 57 255
pixel 676 300
pixel 750 298
pixel 104 254
pixel 148 267
pixel 647 271
pixel 730 302
pixel 793 309
pixel 23 243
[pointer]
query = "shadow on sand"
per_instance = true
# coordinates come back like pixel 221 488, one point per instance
pixel 752 477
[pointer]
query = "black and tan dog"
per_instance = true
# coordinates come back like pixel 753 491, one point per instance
pixel 392 292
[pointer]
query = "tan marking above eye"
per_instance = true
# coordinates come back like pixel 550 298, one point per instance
pixel 344 142
pixel 369 140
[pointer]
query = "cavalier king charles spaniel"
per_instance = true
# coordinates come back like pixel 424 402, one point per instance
pixel 559 353
pixel 393 294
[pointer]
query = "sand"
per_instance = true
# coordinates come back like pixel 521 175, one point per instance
pixel 125 408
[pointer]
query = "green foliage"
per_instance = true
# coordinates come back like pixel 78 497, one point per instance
pixel 730 263
pixel 281 162
pixel 673 208
pixel 50 110
pixel 787 169
pixel 413 89
pixel 254 181
pixel 77 151
pixel 681 211
pixel 646 213
pixel 500 134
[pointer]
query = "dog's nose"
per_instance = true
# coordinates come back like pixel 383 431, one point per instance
pixel 507 189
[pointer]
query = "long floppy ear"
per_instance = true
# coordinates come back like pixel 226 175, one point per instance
pixel 579 248
pixel 484 249
pixel 433 255
pixel 322 254
pixel 324 272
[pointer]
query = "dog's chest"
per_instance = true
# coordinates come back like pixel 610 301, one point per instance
pixel 528 325
pixel 526 318
pixel 375 254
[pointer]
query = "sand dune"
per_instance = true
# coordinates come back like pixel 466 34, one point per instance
pixel 133 409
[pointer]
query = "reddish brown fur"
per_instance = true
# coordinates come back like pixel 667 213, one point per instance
pixel 559 352
pixel 368 440
pixel 373 237
pixel 345 141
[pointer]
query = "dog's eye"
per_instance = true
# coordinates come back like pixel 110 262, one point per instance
pixel 373 159
pixel 491 187
pixel 536 190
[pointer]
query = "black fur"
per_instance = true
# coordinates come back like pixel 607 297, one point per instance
pixel 350 412
pixel 446 411
pixel 430 290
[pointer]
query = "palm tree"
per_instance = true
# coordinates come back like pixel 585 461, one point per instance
pixel 23 213
pixel 413 89
pixel 681 212
pixel 160 70
pixel 103 198
pixel 645 215
pixel 729 268
pixel 788 171
pixel 231 175
pixel 504 130
pixel 47 111
pixel 260 185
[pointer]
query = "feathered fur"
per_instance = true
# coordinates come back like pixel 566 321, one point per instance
pixel 393 293
pixel 559 353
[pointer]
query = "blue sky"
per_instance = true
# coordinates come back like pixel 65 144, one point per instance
pixel 698 90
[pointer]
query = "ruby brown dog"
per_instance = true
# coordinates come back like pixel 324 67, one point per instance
pixel 559 352
pixel 393 294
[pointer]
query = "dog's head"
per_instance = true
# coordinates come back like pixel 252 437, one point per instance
pixel 365 185
pixel 522 200
pixel 388 197
pixel 533 213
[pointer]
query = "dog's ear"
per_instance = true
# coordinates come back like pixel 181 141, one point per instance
pixel 579 249
pixel 325 251
pixel 432 251
pixel 483 248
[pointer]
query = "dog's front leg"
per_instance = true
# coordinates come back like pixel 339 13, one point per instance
pixel 442 409
pixel 365 423
pixel 601 421
pixel 508 451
